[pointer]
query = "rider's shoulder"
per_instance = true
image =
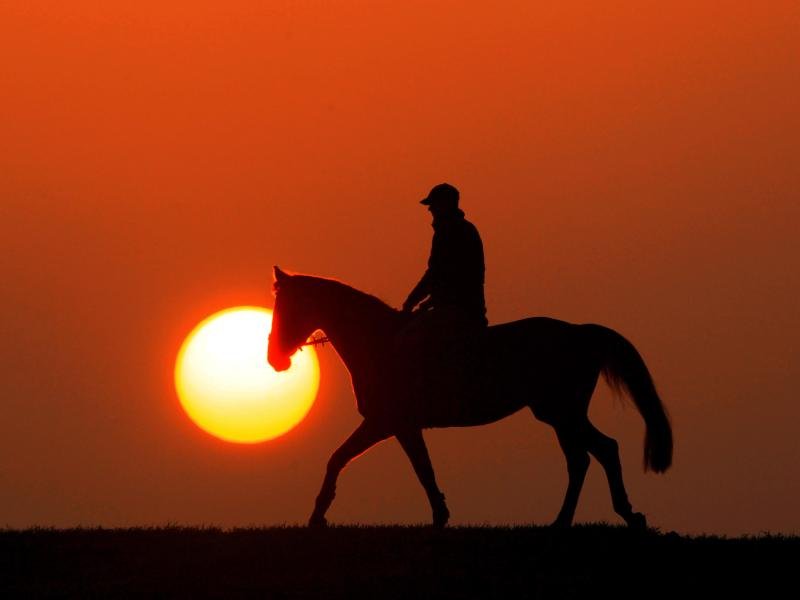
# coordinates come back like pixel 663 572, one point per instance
pixel 470 229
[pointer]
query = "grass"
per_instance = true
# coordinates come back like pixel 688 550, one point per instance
pixel 389 562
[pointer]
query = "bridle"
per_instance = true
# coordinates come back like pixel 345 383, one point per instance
pixel 316 340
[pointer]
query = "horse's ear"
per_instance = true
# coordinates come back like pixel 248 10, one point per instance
pixel 278 274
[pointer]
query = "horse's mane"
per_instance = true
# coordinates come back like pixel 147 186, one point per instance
pixel 366 304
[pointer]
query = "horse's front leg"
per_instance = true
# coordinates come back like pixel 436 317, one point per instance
pixel 414 446
pixel 364 437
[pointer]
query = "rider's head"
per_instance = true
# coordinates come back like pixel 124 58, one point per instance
pixel 442 199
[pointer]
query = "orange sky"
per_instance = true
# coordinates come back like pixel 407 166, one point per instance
pixel 632 164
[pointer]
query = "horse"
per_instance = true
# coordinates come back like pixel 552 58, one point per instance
pixel 544 364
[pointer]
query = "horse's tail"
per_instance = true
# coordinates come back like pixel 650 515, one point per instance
pixel 625 371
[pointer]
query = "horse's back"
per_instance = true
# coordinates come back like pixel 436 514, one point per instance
pixel 531 329
pixel 535 343
pixel 485 376
pixel 504 368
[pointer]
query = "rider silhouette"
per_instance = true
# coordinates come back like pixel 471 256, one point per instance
pixel 452 286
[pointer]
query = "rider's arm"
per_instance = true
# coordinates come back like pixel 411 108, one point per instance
pixel 420 291
pixel 423 289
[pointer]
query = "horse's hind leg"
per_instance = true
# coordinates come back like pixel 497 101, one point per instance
pixel 572 439
pixel 364 437
pixel 606 451
pixel 414 446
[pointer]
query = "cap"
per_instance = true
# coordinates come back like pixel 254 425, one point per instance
pixel 444 193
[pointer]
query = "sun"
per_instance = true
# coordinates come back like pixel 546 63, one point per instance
pixel 228 388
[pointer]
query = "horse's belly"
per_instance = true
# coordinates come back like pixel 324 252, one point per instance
pixel 473 398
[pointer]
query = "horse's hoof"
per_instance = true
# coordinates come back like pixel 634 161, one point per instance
pixel 441 517
pixel 317 522
pixel 637 521
pixel 560 524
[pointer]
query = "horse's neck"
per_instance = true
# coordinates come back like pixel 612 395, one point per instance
pixel 354 333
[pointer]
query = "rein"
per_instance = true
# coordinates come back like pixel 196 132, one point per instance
pixel 316 340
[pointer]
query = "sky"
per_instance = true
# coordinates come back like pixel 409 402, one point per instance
pixel 628 163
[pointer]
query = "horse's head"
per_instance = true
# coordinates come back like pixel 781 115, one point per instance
pixel 291 323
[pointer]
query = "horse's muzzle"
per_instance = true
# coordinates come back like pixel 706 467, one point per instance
pixel 279 362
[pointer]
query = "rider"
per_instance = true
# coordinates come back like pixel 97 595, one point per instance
pixel 451 290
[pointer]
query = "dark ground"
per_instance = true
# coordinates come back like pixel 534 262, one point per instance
pixel 391 562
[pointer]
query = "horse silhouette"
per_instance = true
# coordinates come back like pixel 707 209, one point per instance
pixel 547 365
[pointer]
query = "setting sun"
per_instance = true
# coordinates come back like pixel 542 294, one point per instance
pixel 227 387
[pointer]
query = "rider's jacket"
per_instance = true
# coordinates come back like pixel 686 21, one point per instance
pixel 455 274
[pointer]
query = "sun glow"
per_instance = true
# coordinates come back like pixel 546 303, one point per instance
pixel 228 388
